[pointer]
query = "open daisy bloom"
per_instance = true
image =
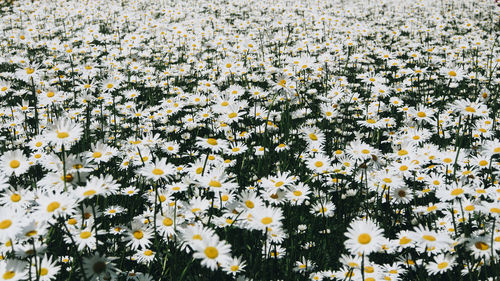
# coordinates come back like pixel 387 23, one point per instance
pixel 363 237
pixel 64 132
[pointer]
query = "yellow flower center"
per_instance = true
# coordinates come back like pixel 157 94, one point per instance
pixel 212 141
pixel 15 164
pixel 313 137
pixel 53 206
pixel 138 234
pixel 148 253
pixel 97 154
pixel 481 246
pixel 62 135
pixel 452 73
pixel 404 240
pixel 5 224
pixel 429 238
pixel 470 109
pixel 266 220
pixel 214 183
pixel 157 172
pixel 8 275
pixel 211 252
pixel 297 193
pixel 233 114
pixel 85 234
pixel 371 121
pixel 89 192
pixel 421 114
pixel 364 238
pixel 442 265
pixel 234 268
pixel 249 204
pixel 167 222
pixel 15 197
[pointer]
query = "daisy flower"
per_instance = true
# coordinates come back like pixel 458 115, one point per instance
pixel 13 270
pixel 14 162
pixel 63 132
pixel 441 264
pixel 48 269
pixel 158 170
pixel 212 252
pixel 139 236
pixel 266 217
pixel 9 223
pixel 233 266
pixel 99 267
pixel 363 236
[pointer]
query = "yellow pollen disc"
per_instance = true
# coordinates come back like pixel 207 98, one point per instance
pixel 483 163
pixel 279 184
pixel 457 192
pixel 8 275
pixel 495 210
pixel 403 168
pixel 138 234
pixel 224 103
pixel 167 222
pixel 421 114
pixel 97 154
pixel 365 151
pixel 157 172
pixel 212 141
pixel 89 192
pixel 442 265
pixel 249 204
pixel 481 246
pixel 15 164
pixel 85 234
pixel 53 206
pixel 452 73
pixel 371 121
pixel 199 170
pixel 404 240
pixel 429 237
pixel 234 268
pixel 30 70
pixel 15 197
pixel 72 221
pixel 148 253
pixel 50 94
pixel 470 109
pixel 318 164
pixel 197 237
pixel 62 135
pixel 233 114
pixel 402 152
pixel 297 193
pixel 5 224
pixel 313 137
pixel 364 238
pixel 211 252
pixel 266 220
pixel 31 233
pixel 214 183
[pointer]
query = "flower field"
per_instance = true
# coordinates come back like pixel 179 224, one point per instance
pixel 249 140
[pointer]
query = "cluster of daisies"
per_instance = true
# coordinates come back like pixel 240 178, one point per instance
pixel 249 140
